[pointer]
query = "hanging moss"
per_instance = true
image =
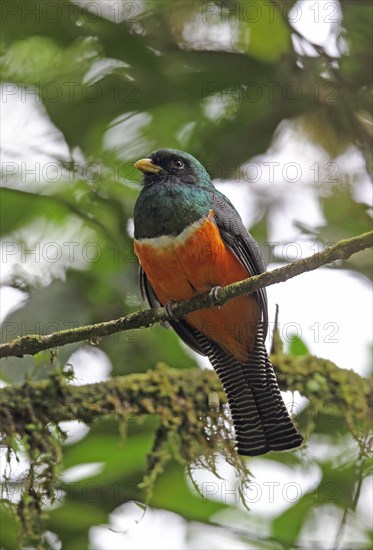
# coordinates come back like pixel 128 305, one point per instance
pixel 191 431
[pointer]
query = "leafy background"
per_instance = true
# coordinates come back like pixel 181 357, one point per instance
pixel 88 88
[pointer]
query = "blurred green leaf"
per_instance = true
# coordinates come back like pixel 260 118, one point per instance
pixel 297 346
pixel 357 22
pixel 173 493
pixel 126 457
pixel 287 526
pixel 345 217
pixel 74 521
pixel 39 59
pixel 18 208
pixel 9 527
pixel 263 32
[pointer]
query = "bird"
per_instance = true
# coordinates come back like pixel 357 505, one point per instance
pixel 189 240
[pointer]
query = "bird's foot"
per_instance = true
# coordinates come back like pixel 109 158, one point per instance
pixel 215 291
pixel 168 308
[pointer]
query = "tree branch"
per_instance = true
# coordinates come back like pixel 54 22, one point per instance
pixel 32 344
pixel 175 394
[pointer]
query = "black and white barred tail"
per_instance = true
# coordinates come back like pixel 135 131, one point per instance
pixel 260 418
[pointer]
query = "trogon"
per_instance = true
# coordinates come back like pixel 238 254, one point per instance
pixel 190 239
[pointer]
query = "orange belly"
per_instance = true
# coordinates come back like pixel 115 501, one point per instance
pixel 180 268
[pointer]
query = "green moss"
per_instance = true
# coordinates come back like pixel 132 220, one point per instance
pixel 190 431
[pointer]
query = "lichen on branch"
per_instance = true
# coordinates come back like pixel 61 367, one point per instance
pixel 175 394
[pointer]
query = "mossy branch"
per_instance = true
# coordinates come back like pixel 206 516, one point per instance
pixel 175 393
pixel 32 344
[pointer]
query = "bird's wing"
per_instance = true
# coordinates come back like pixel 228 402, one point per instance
pixel 241 243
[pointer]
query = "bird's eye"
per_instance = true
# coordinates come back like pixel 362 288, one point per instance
pixel 178 164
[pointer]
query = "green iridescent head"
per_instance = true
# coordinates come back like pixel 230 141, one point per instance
pixel 176 192
pixel 173 166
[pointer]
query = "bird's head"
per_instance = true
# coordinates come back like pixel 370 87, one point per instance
pixel 173 167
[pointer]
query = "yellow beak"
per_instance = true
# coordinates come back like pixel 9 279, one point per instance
pixel 147 165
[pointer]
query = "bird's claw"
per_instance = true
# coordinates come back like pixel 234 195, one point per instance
pixel 169 312
pixel 215 291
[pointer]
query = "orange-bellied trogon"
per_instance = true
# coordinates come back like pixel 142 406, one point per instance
pixel 190 239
